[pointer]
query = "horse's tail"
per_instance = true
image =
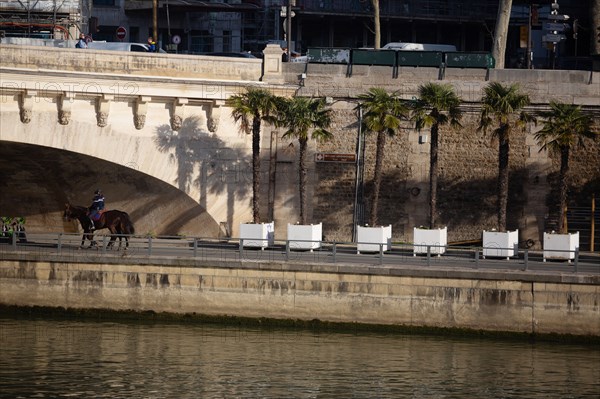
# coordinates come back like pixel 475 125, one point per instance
pixel 128 224
pixel 130 227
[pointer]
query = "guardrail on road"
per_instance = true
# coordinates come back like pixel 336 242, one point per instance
pixel 233 249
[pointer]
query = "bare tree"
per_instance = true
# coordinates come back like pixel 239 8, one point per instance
pixel 595 13
pixel 376 24
pixel 501 32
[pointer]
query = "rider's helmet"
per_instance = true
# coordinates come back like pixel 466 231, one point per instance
pixel 97 192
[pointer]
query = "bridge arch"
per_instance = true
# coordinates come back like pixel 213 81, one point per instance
pixel 190 181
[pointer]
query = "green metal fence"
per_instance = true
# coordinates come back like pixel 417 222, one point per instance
pixel 419 58
pixel 373 57
pixel 469 60
pixel 328 55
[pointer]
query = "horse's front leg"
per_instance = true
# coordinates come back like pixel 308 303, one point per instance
pixel 86 236
pixel 111 243
pixel 93 242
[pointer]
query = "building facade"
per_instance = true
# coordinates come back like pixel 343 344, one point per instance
pixel 196 27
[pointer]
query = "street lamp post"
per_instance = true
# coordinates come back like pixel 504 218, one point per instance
pixel 529 52
pixel 288 22
pixel 360 170
pixel 155 20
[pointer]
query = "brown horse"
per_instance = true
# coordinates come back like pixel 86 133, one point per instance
pixel 117 222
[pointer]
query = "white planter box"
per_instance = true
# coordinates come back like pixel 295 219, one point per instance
pixel 436 238
pixel 503 244
pixel 556 245
pixel 369 238
pixel 259 235
pixel 305 236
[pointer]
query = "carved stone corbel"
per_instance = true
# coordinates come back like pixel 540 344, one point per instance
pixel 103 108
pixel 26 105
pixel 140 110
pixel 65 103
pixel 213 115
pixel 177 108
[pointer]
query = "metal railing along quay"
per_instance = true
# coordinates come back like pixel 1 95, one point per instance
pixel 238 250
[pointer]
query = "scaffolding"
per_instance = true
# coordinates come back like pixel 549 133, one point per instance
pixel 45 19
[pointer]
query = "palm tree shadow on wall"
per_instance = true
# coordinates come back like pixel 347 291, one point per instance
pixel 221 169
pixel 471 205
pixel 336 201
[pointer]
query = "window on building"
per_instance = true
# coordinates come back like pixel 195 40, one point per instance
pixel 227 41
pixel 104 2
pixel 106 32
pixel 201 41
pixel 134 34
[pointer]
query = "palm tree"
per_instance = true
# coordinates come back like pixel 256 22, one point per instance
pixel 383 115
pixel 299 115
pixel 499 106
pixel 250 109
pixel 565 126
pixel 436 106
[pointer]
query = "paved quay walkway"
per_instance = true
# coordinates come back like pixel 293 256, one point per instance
pixel 457 262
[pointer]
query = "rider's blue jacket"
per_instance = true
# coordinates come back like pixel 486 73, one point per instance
pixel 97 203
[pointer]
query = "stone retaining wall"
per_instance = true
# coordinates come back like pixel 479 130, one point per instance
pixel 467 185
pixel 492 301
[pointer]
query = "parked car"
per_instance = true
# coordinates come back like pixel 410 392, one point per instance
pixel 401 46
pixel 234 55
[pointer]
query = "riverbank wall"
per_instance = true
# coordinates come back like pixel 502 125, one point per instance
pixel 495 301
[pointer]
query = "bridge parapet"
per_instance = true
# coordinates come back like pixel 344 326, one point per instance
pixel 131 63
pixel 335 81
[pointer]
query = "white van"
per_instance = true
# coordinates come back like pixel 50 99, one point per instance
pixel 121 46
pixel 401 46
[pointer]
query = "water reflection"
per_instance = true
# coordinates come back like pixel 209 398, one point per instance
pixel 48 358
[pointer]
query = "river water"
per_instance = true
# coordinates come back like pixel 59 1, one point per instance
pixel 43 358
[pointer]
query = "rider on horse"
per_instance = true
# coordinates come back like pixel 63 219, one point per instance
pixel 96 207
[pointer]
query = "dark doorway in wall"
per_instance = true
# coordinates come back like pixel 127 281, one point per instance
pixel 107 33
pixel 134 35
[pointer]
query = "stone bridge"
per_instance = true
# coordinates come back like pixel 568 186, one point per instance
pixel 153 132
pixel 159 145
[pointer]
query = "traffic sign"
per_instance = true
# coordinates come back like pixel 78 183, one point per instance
pixel 556 26
pixel 176 39
pixel 551 37
pixel 121 32
pixel 558 17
